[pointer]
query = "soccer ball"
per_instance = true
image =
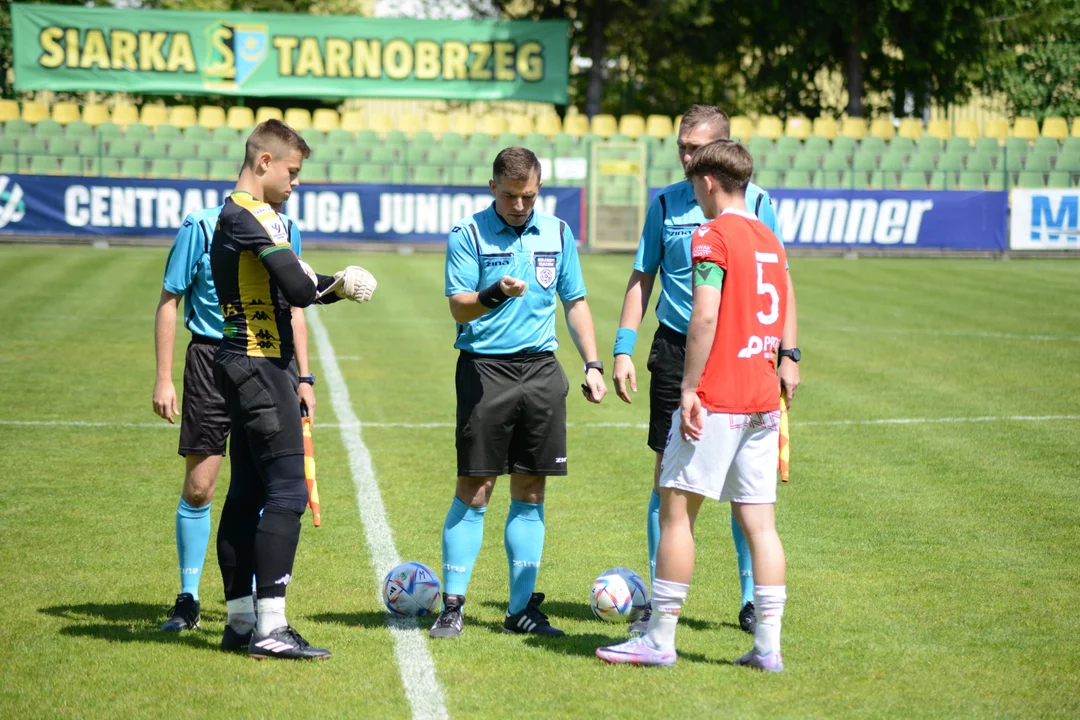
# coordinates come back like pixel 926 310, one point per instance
pixel 412 590
pixel 618 595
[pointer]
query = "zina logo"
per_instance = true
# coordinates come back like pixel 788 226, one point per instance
pixel 233 53
pixel 12 207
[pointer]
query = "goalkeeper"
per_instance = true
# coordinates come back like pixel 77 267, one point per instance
pixel 258 283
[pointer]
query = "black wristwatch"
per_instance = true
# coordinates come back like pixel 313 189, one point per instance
pixel 594 365
pixel 309 379
pixel 792 353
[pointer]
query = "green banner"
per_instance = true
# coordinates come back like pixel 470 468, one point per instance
pixel 263 54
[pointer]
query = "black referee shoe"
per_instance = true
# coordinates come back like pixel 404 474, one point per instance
pixel 232 641
pixel 284 643
pixel 531 621
pixel 747 618
pixel 184 614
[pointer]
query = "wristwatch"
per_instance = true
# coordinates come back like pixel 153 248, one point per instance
pixel 792 353
pixel 309 379
pixel 594 365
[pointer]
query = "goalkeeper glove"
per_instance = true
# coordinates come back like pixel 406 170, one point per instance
pixel 357 284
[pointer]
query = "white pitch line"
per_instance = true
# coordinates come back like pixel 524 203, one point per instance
pixel 415 664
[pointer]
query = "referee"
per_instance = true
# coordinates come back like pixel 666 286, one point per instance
pixel 504 267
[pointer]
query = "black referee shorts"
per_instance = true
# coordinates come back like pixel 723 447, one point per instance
pixel 511 414
pixel 204 420
pixel 666 359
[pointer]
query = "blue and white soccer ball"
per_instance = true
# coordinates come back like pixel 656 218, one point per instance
pixel 618 595
pixel 412 590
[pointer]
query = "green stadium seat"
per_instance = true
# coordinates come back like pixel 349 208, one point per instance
pixel 89 145
pixel 758 145
pixel 452 140
pixel 383 155
pixel 995 181
pixel 788 145
pixel 166 132
pixel 123 148
pixel 78 129
pixel 314 137
pixel 315 172
pixel 62 146
pixel 535 140
pixel 417 155
pixel 505 140
pixel 212 150
pixel 138 131
pixel 662 159
pixel 1038 162
pixel 971 180
pixel 224 170
pixel 565 145
pixel 953 162
pixel 817 145
pixel 198 133
pixel 17 127
pixel 1031 179
pixel 48 128
pixel 109 130
pixel 104 167
pixel 153 149
pixel 356 154
pixel 826 179
pixel 479 175
pixel 396 137
pixel 368 137
pixel 1049 145
pixel 7 164
pixel 873 145
pixel 473 156
pixel 224 133
pixel 979 162
pixel 806 161
pixel 194 169
pixel 1013 161
pixel 424 138
pixel 8 145
pixel 1059 179
pixel 768 179
pixel 459 176
pixel 988 145
pixel 1071 144
pixel 32 145
pixel 180 149
pixel 843 144
pixel 340 138
pixel 164 168
pixel 901 145
pixel 797 179
pixel 836 162
pixel 1068 161
pixel 1016 146
pixel 864 162
pixel 346 173
pixel 42 164
pixel 428 175
pixel 962 145
pixel 442 157
pixel 921 163
pixel 777 161
pixel 368 173
pixel 912 180
pixel 939 180
pixel 657 177
pixel 397 174
pixel 929 145
pixel 892 162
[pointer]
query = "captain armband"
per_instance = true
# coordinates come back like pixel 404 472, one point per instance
pixel 708 273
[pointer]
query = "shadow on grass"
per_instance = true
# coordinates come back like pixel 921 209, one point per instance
pixel 581 611
pixel 585 646
pixel 128 622
pixel 372 619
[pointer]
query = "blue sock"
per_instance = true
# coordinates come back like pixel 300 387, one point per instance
pixel 652 528
pixel 192 537
pixel 746 566
pixel 462 535
pixel 524 540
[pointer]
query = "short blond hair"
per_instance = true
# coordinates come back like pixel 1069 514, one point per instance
pixel 705 115
pixel 727 161
pixel 273 136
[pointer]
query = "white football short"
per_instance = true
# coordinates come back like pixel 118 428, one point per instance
pixel 734 461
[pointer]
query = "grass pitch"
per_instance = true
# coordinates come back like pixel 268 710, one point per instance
pixel 932 562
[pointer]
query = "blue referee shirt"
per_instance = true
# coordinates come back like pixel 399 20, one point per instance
pixel 482 248
pixel 187 271
pixel 672 217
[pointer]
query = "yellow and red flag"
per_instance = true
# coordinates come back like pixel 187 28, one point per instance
pixel 309 471
pixel 785 449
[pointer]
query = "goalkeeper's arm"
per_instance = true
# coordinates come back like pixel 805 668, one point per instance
pixel 299 288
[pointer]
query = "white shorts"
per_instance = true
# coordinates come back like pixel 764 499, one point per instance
pixel 734 461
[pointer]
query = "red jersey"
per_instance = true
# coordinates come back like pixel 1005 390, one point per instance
pixel 740 374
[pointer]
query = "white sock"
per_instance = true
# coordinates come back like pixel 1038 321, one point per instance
pixel 271 614
pixel 769 608
pixel 667 600
pixel 241 614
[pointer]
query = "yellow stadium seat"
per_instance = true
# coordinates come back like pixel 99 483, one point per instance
pixel 492 125
pixel 154 115
pixel 124 115
pixel 658 126
pixel 678 122
pixel 853 127
pixel 436 123
pixel 797 126
pixel 770 126
pixel 268 113
pixel 298 119
pixel 1026 127
pixel 9 110
pixel 549 125
pixel 240 118
pixel 882 127
pixel 410 124
pixel 825 126
pixel 325 119
pixel 997 128
pixel 183 116
pixel 521 124
pixel 211 116
pixel 33 112
pixel 353 120
pixel 1055 127
pixel 939 129
pixel 633 126
pixel 910 128
pixel 95 114
pixel 382 123
pixel 742 127
pixel 65 112
pixel 604 125
pixel 1076 127
pixel 967 129
pixel 462 124
pixel 576 125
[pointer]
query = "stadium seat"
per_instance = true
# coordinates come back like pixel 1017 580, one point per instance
pixel 385 155
pixel 929 145
pixel 1046 145
pixel 797 127
pixel 864 162
pixel 99 166
pixel 165 168
pixel 8 145
pixel 777 161
pixel 48 128
pixel 549 125
pixel 824 126
pixel 198 133
pixel 240 118
pixel 826 179
pixel 316 172
pixel 428 175
pixel 912 180
pixel 658 126
pixel 365 173
pixel 901 145
pixel 979 162
pixel 768 178
pixel 346 173
pixel 462 124
pixel 910 128
pixel 960 145
pixel 167 132
pixel 299 119
pixel 212 117
pixel 576 125
pixel 603 125
pixel 987 145
pixel 844 144
pixel 89 145
pixel 194 169
pixel 154 115
pixel 882 127
pixel 479 175
pixel 807 162
pixel 817 145
pixel 314 138
pixel 436 123
pixel 996 128
pixel 633 126
pixel 9 110
pixel 520 124
pixel 183 116
pixel 44 165
pixel 7 164
pixel 939 180
pixel 788 145
pixel 538 143
pixel 35 112
pixel 458 176
pixel 1015 149
pixel 971 180
pixel 356 154
pixel 95 113
pixel 1026 127
pixel 492 125
pixel 769 126
pixel 508 139
pixel 1031 179
pixel 124 115
pixel 892 162
pixel 835 162
pixel 967 129
pixel 181 149
pixel 224 133
pixel 853 127
pixel 1058 179
pixel 123 147
pixel 62 146
pixel 1038 161
pixel 325 119
pixel 921 163
pixel 424 139
pixel 153 149
pixel 873 145
pixel 32 145
pixel 1068 161
pixel 409 124
pixel 938 129
pixel 65 112
pixel 353 120
pixel 226 170
pixel 267 113
pixel 1055 127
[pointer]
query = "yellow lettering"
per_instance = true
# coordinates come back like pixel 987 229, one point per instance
pixel 367 58
pixel 337 58
pixel 225 68
pixel 71 39
pixel 504 61
pixel 285 46
pixel 310 61
pixel 150 57
pixel 95 52
pixel 53 52
pixel 124 43
pixel 398 59
pixel 478 70
pixel 427 60
pixel 455 55
pixel 530 61
pixel 181 56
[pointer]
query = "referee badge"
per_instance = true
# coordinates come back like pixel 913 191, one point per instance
pixel 545 270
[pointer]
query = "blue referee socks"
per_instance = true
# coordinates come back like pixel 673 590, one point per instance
pixel 746 566
pixel 462 535
pixel 192 537
pixel 652 531
pixel 524 540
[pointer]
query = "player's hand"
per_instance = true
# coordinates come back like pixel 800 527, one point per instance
pixel 306 394
pixel 788 372
pixel 165 400
pixel 512 286
pixel 624 374
pixel 357 283
pixel 594 388
pixel 693 416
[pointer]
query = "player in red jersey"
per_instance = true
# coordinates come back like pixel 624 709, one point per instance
pixel 724 442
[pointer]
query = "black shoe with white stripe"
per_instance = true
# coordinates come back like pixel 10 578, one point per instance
pixel 284 643
pixel 232 641
pixel 184 614
pixel 449 622
pixel 531 621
